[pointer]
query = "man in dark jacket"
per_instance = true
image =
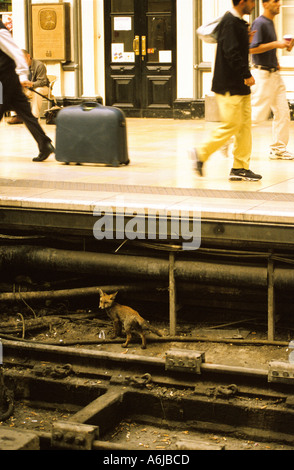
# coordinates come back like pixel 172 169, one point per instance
pixel 231 84
pixel 14 76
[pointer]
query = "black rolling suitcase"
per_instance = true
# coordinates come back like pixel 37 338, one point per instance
pixel 91 133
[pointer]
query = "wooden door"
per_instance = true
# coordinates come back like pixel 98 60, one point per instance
pixel 140 56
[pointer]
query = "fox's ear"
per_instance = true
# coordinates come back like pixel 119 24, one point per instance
pixel 114 295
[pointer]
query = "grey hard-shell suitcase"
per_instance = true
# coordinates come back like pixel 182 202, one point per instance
pixel 91 133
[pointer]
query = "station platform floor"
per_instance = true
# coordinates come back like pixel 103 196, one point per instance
pixel 160 175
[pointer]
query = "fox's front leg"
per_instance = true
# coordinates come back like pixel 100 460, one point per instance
pixel 129 337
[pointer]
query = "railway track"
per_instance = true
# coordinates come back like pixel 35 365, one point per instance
pixel 78 396
pixel 108 401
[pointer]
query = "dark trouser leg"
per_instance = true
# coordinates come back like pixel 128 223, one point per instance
pixel 3 109
pixel 15 99
pixel 23 109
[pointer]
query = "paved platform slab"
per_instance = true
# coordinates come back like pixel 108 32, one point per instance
pixel 160 179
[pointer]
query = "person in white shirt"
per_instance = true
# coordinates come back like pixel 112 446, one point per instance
pixel 269 91
pixel 39 83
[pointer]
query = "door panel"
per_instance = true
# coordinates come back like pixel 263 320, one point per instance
pixel 159 33
pixel 159 92
pixel 123 90
pixel 140 52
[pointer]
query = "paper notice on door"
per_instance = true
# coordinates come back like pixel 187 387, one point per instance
pixel 117 52
pixel 129 57
pixel 165 56
pixel 122 23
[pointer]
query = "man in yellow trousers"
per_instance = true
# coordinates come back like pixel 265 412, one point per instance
pixel 231 84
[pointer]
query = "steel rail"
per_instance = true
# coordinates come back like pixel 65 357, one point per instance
pixel 39 350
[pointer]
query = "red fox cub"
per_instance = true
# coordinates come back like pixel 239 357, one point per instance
pixel 126 317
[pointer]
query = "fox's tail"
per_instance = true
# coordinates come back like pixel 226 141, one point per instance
pixel 146 326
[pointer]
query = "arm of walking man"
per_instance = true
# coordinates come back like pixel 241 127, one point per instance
pixel 10 48
pixel 231 47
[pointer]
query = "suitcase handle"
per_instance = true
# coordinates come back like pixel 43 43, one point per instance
pixel 88 105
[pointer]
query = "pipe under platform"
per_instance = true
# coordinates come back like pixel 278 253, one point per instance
pixel 208 272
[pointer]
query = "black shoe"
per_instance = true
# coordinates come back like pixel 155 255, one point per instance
pixel 47 150
pixel 15 120
pixel 240 174
pixel 198 164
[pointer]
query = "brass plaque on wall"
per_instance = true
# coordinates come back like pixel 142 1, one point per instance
pixel 51 38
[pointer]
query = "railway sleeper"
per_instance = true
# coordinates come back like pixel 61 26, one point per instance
pixel 104 404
